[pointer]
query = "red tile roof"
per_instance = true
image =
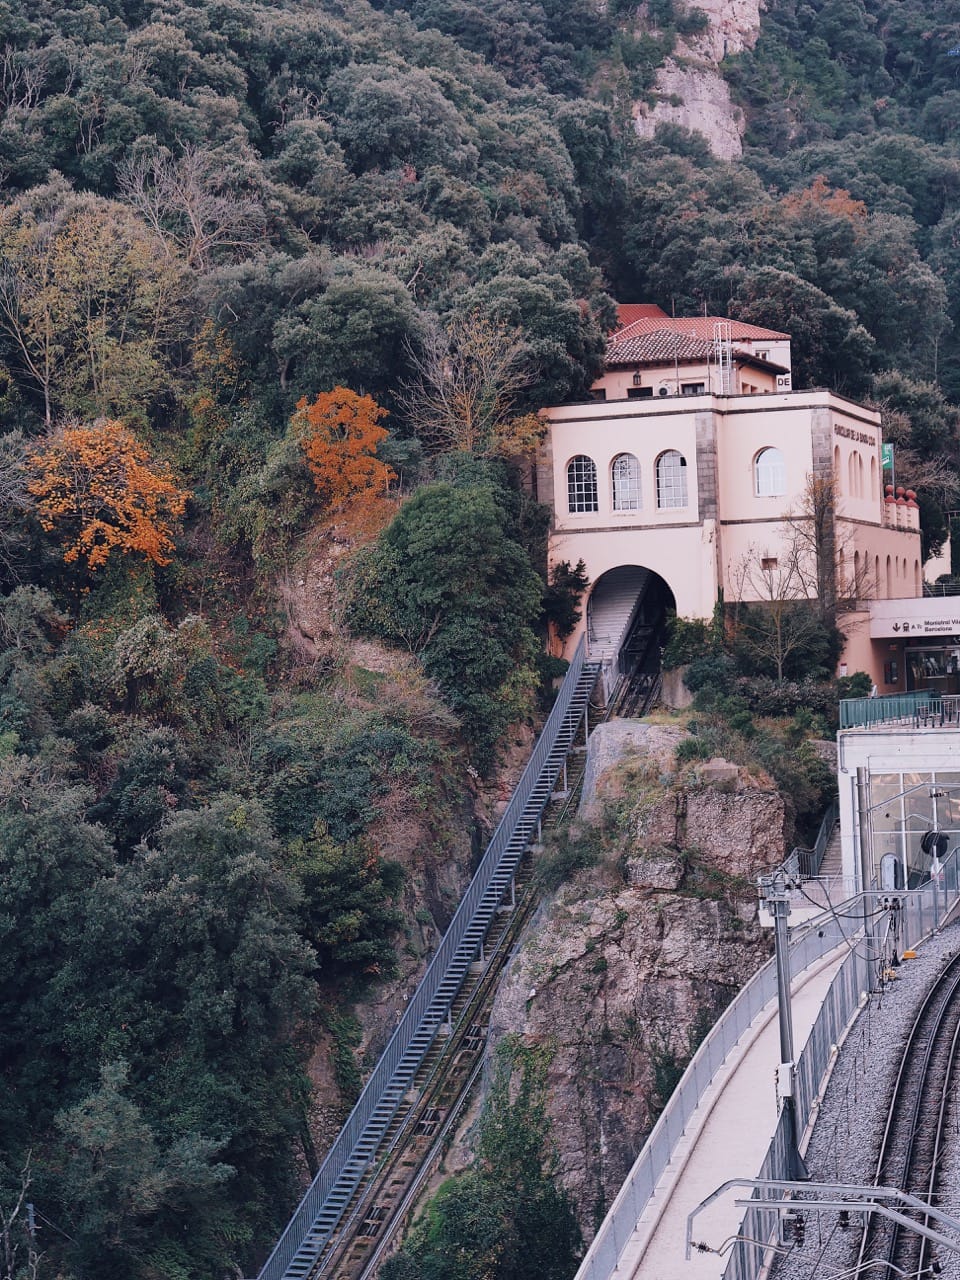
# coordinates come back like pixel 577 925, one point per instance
pixel 666 346
pixel 641 318
pixel 657 347
pixel 627 312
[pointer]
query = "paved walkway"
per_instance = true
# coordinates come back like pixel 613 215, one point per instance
pixel 737 1117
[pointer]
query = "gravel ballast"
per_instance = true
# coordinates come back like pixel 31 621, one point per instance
pixel 848 1130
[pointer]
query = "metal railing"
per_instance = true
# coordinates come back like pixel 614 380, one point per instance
pixel 657 1152
pixel 923 910
pixel 809 861
pixel 343 1167
pixel 921 708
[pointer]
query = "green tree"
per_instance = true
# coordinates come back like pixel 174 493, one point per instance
pixel 505 1218
pixel 186 963
pixel 830 347
pixel 347 905
pixel 91 303
pixel 356 334
pixel 449 582
pixel 117 1182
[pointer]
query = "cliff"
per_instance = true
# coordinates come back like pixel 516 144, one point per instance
pixel 689 89
pixel 630 963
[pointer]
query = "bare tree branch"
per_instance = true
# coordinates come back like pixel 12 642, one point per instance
pixel 468 379
pixel 16 1231
pixel 187 202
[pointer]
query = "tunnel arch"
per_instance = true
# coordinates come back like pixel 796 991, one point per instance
pixel 626 615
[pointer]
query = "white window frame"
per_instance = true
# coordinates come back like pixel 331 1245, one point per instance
pixel 671 480
pixel 582 495
pixel 625 482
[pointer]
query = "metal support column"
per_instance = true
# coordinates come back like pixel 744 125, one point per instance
pixel 774 889
pixel 866 859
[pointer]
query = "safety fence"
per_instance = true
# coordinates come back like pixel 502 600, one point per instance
pixel 633 1197
pixel 922 708
pixel 921 912
pixel 351 1155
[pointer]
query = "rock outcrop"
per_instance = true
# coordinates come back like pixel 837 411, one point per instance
pixel 689 89
pixel 629 965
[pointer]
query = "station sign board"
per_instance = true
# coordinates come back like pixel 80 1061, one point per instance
pixel 919 619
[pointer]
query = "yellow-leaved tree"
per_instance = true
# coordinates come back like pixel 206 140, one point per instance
pixel 339 434
pixel 98 490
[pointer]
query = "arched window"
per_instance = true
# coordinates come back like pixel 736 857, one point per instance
pixel 857 591
pixel 671 479
pixel 859 475
pixel 852 474
pixel 769 474
pixel 582 484
pixel 836 467
pixel 917 581
pixel 625 473
pixel 874 491
pixel 889 578
pixel 876 576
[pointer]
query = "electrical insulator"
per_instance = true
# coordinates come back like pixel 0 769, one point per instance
pixel 843 1220
pixel 799 1230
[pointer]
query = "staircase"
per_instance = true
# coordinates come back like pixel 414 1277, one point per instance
pixel 828 887
pixel 611 617
pixel 832 866
pixel 355 1151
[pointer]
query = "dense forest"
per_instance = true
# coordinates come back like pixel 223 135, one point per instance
pixel 242 248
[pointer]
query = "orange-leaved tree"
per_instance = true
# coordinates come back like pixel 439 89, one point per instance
pixel 339 434
pixel 97 488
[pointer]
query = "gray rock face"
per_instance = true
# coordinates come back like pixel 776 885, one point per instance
pixel 629 965
pixel 612 743
pixel 690 90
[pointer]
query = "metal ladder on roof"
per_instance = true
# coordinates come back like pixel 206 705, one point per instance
pixel 315 1220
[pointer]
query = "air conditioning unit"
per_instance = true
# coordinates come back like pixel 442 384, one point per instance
pixel 663 389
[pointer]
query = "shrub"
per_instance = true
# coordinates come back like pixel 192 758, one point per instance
pixel 712 671
pixel 566 854
pixel 695 748
pixel 856 686
pixel 687 639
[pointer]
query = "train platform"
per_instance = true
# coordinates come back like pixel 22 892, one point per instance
pixel 728 1138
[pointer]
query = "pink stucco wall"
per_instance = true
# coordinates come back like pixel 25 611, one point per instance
pixel 697 548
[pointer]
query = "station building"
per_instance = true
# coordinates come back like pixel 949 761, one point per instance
pixel 690 476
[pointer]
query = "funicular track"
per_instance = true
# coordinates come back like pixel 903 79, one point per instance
pixel 910 1150
pixel 640 680
pixel 447 1011
pixel 414 1143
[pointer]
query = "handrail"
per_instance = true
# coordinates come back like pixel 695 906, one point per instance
pixel 426 1008
pixel 809 861
pixel 918 707
pixel 809 943
pixel 922 914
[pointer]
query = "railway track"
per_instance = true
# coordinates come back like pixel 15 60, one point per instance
pixel 414 1144
pixel 912 1143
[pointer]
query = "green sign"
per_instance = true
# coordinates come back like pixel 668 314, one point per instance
pixel 886 456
